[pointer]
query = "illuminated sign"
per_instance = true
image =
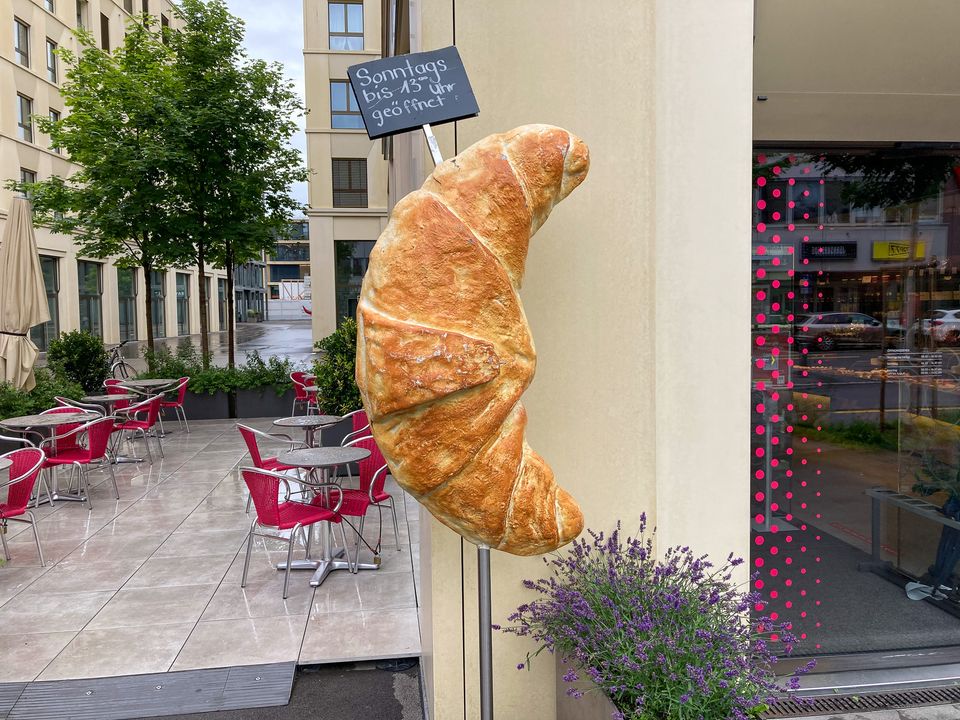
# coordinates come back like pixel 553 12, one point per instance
pixel 898 250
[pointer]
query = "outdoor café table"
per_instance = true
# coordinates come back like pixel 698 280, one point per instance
pixel 51 421
pixel 110 400
pixel 323 459
pixel 309 423
pixel 150 386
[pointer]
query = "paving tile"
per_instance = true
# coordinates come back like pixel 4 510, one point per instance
pixel 151 606
pixel 348 636
pixel 118 651
pixel 13 580
pixel 26 655
pixel 366 590
pixel 174 571
pixel 191 544
pixel 23 550
pixel 261 599
pixel 248 641
pixel 203 520
pixel 50 613
pixel 85 577
pixel 101 548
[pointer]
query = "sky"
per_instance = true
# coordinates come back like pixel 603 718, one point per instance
pixel 274 32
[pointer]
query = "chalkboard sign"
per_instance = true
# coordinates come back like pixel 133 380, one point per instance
pixel 404 92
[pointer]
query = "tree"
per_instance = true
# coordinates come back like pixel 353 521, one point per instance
pixel 121 202
pixel 234 164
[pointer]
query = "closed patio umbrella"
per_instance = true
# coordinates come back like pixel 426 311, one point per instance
pixel 23 298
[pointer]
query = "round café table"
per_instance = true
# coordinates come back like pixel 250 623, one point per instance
pixel 50 421
pixel 148 384
pixel 309 423
pixel 323 459
pixel 106 401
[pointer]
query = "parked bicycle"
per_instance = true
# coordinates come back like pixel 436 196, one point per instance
pixel 119 368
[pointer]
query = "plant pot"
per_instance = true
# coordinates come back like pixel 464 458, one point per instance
pixel 263 403
pixel 205 406
pixel 594 705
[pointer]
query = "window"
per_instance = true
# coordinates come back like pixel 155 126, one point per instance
pixel 27 176
pixel 158 293
pixel 352 258
pixel 90 291
pixel 21 41
pixel 127 302
pixel 52 74
pixel 350 183
pixel 81 13
pixel 346 26
pixel 55 117
pixel 104 32
pixel 222 302
pixel 48 4
pixel 284 272
pixel 43 334
pixel 24 119
pixel 146 6
pixel 128 6
pixel 344 109
pixel 165 29
pixel 183 304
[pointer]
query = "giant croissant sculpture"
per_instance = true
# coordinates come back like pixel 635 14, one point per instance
pixel 443 347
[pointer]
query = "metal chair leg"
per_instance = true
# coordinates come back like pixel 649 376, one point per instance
pixel 3 540
pixel 36 536
pixel 185 423
pixel 396 526
pixel 146 442
pixel 308 531
pixel 113 476
pixel 246 562
pixel 249 503
pixel 356 554
pixel 355 564
pixel 286 572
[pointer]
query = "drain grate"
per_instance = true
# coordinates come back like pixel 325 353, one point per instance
pixel 823 705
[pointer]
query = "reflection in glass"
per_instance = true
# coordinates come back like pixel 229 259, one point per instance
pixel 158 291
pixel 352 258
pixel 183 304
pixel 856 396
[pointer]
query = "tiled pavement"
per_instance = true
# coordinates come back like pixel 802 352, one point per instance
pixel 151 582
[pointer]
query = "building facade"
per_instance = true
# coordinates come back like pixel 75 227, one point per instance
pixel 347 188
pixel 88 293
pixel 288 274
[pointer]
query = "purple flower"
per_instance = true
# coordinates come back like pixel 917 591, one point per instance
pixel 653 632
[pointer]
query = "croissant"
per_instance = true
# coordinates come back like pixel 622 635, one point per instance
pixel 444 351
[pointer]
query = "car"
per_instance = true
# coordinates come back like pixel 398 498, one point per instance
pixel 942 327
pixel 828 331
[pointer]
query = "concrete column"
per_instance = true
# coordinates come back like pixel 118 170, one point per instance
pixel 636 291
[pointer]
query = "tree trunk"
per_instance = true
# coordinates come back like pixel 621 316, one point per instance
pixel 148 300
pixel 204 302
pixel 231 324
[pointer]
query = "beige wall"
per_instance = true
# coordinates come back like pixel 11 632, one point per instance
pixel 857 70
pixel 329 225
pixel 637 405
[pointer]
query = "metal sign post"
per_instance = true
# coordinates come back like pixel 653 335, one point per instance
pixel 483 560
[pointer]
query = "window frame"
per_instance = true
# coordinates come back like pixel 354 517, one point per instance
pixel 43 333
pixel 128 330
pixel 346 35
pixel 55 116
pixel 94 301
pixel 104 33
pixel 50 6
pixel 352 189
pixel 53 68
pixel 351 99
pixel 25 119
pixel 21 32
pixel 183 303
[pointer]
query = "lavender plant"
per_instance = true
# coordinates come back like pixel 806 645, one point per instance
pixel 667 639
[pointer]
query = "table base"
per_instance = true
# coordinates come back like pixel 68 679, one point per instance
pixel 322 568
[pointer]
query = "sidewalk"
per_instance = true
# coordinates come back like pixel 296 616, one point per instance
pixel 939 712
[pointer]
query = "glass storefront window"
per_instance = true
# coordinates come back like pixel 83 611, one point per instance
pixel 158 291
pixel 90 291
pixel 352 258
pixel 183 304
pixel 127 302
pixel 43 334
pixel 855 497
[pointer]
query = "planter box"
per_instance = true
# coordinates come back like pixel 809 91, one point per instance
pixel 206 407
pixel 594 705
pixel 263 403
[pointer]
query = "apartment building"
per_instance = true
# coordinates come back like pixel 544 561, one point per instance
pixel 88 293
pixel 348 185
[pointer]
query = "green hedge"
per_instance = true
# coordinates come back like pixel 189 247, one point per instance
pixel 254 373
pixel 80 357
pixel 337 390
pixel 50 383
